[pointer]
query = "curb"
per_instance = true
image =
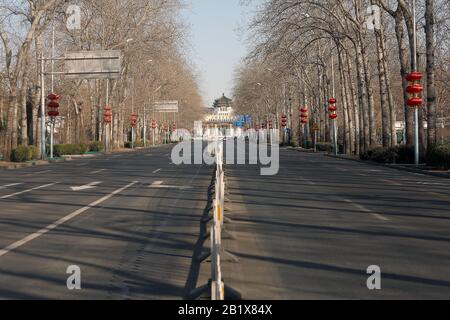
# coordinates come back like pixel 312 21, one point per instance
pixel 397 167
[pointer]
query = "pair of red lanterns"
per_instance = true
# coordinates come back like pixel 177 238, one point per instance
pixel 107 114
pixel 53 105
pixel 134 119
pixel 332 108
pixel 304 115
pixel 415 89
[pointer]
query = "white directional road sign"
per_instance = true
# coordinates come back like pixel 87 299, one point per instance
pixel 166 106
pixel 100 64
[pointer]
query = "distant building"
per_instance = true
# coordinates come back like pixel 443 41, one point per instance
pixel 220 117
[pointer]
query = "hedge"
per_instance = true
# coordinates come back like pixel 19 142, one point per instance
pixel 439 156
pixel 325 146
pixel 403 154
pixel 96 146
pixel 25 153
pixel 69 149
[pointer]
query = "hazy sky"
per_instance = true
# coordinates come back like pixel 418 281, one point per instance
pixel 218 43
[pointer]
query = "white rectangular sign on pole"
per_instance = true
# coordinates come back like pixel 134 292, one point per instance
pixel 100 64
pixel 166 106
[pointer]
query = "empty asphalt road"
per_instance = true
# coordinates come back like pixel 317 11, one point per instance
pixel 312 231
pixel 129 221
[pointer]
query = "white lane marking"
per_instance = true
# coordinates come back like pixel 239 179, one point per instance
pixel 9 185
pixel 86 186
pixel 156 171
pixel 159 185
pixel 98 171
pixel 54 225
pixel 394 183
pixel 308 181
pixel 28 190
pixel 364 209
pixel 39 172
pixel 81 164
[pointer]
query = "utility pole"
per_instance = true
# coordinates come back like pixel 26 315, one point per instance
pixel 107 125
pixel 333 85
pixel 43 145
pixel 416 108
pixel 52 119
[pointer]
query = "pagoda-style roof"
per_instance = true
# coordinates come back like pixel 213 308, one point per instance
pixel 222 102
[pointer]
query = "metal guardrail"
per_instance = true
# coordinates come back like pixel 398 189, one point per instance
pixel 217 285
pixel 214 223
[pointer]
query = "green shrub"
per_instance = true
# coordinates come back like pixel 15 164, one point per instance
pixel 127 145
pixel 25 153
pixel 96 146
pixel 439 156
pixel 139 144
pixel 325 146
pixel 403 154
pixel 69 149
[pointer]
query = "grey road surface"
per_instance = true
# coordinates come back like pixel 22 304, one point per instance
pixel 129 221
pixel 312 231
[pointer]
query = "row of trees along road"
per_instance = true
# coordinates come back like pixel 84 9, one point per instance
pixel 152 37
pixel 296 44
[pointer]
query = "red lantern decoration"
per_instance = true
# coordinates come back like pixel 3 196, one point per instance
pixel 53 105
pixel 284 121
pixel 332 108
pixel 134 118
pixel 414 76
pixel 107 114
pixel 174 127
pixel 414 102
pixel 154 124
pixel 414 89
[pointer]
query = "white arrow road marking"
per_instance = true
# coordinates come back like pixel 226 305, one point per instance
pixel 98 171
pixel 54 225
pixel 160 185
pixel 28 190
pixel 156 171
pixel 9 185
pixel 91 185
